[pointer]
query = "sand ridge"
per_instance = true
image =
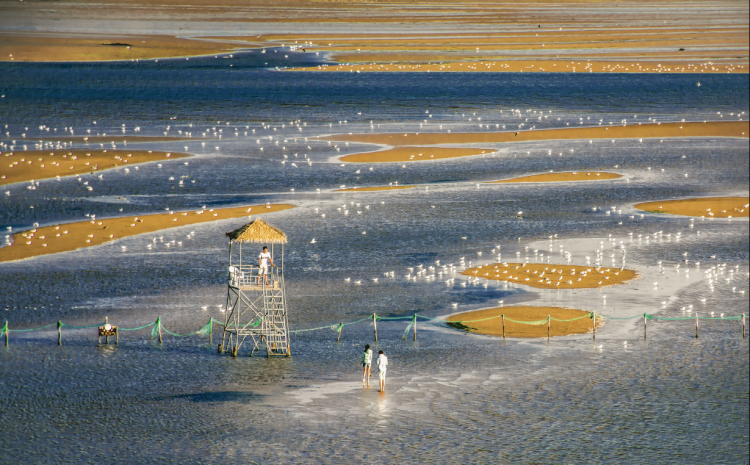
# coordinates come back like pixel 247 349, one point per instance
pixel 567 176
pixel 73 236
pixel 738 129
pixel 44 164
pixel 409 154
pixel 604 48
pixel 494 327
pixel 709 207
pixel 373 188
pixel 552 276
pixel 533 66
pixel 18 46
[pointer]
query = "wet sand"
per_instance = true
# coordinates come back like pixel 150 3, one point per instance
pixel 494 327
pixel 543 35
pixel 104 139
pixel 373 189
pixel 739 129
pixel 59 47
pixel 45 164
pixel 74 236
pixel 390 32
pixel 611 48
pixel 709 207
pixel 402 154
pixel 563 177
pixel 551 276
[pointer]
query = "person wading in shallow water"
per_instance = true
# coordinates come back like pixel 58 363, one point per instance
pixel 366 362
pixel 382 366
pixel 263 260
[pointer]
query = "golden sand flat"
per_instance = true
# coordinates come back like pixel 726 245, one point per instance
pixel 709 207
pixel 550 276
pixel 73 236
pixel 494 326
pixel 45 164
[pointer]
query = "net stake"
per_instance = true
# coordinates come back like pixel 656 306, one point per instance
pixel 341 326
pixel 6 331
pixel 503 315
pixel 59 333
pixel 593 323
pixel 375 325
pixel 696 325
pixel 415 327
pixel 644 326
pixel 548 322
pixel 743 329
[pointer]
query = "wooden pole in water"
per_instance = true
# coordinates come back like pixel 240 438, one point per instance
pixel 644 326
pixel 6 330
pixel 210 331
pixel 548 320
pixel 696 325
pixel 158 323
pixel 59 333
pixel 593 323
pixel 743 328
pixel 375 325
pixel 503 315
pixel 415 326
pixel 341 326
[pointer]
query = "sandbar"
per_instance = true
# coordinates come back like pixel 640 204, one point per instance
pixel 44 164
pixel 534 66
pixel 738 129
pixel 68 47
pixel 73 236
pixel 494 327
pixel 562 177
pixel 710 207
pixel 402 154
pixel 373 188
pixel 551 276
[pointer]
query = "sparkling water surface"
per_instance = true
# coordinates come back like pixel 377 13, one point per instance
pixel 452 397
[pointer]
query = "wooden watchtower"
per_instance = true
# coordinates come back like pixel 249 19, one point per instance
pixel 256 307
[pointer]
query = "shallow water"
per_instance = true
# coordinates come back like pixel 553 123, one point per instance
pixel 451 397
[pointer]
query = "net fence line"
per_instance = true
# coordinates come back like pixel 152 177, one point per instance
pixel 207 330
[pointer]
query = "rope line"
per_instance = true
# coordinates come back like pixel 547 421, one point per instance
pixel 136 329
pixel 80 326
pixel 206 330
pixel 30 329
pixel 536 322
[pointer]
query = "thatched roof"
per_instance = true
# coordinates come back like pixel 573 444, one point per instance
pixel 258 231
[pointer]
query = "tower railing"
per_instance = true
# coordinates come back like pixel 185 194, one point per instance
pixel 241 276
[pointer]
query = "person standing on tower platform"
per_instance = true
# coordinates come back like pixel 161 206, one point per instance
pixel 263 260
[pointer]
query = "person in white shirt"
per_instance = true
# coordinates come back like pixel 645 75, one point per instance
pixel 382 366
pixel 366 362
pixel 263 260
